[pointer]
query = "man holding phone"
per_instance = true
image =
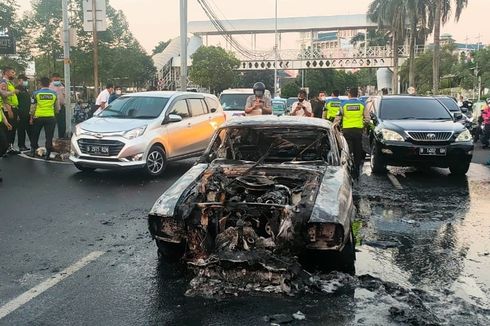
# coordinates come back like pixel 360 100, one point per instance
pixel 302 108
pixel 258 104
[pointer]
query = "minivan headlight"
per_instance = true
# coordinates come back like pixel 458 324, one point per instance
pixel 391 135
pixel 464 136
pixel 78 131
pixel 133 133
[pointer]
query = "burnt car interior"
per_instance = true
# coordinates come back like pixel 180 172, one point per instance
pixel 251 199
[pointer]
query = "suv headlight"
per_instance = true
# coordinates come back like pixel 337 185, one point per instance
pixel 133 133
pixel 391 135
pixel 464 136
pixel 78 131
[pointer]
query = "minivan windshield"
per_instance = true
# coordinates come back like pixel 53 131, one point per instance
pixel 135 107
pixel 234 102
pixel 413 108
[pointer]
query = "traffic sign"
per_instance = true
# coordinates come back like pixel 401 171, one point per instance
pixel 7 42
pixel 100 16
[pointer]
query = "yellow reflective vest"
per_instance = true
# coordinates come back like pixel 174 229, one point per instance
pixel 353 114
pixel 45 100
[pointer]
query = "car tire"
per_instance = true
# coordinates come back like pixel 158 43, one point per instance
pixel 459 168
pixel 84 168
pixel 170 252
pixel 348 256
pixel 378 164
pixel 156 161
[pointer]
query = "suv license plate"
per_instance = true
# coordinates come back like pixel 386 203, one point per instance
pixel 433 151
pixel 98 150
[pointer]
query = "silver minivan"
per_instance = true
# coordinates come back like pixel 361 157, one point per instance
pixel 146 130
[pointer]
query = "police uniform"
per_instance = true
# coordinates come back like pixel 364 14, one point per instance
pixel 44 100
pixel 13 102
pixel 352 113
pixel 332 108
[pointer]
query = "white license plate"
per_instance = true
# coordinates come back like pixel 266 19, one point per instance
pixel 98 150
pixel 433 151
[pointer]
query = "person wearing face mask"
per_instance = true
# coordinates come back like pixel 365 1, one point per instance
pixel 57 86
pixel 318 104
pixel 11 104
pixel 301 108
pixel 116 94
pixel 258 104
pixel 23 127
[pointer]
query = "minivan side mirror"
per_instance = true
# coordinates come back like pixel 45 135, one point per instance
pixel 458 116
pixel 172 118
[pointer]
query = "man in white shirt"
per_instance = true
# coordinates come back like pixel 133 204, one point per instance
pixel 57 86
pixel 103 99
pixel 302 107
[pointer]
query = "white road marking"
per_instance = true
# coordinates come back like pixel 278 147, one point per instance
pixel 394 181
pixel 55 279
pixel 43 160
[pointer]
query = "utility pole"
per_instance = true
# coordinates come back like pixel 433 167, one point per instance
pixel 275 51
pixel 96 49
pixel 183 45
pixel 66 60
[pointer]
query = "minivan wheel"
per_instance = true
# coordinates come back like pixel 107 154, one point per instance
pixel 156 161
pixel 378 164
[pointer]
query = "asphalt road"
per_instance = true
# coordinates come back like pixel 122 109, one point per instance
pixel 81 242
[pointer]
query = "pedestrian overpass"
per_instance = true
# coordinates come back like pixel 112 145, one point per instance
pixel 307 56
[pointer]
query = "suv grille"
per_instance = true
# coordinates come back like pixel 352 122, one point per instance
pixel 430 135
pixel 115 146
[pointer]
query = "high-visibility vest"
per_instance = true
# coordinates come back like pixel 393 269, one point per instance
pixel 45 100
pixel 333 108
pixel 353 115
pixel 12 99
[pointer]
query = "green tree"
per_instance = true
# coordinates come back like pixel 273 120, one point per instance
pixel 214 68
pixel 391 15
pixel 160 47
pixel 248 78
pixel 290 89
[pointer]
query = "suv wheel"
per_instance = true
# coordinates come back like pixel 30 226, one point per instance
pixel 156 161
pixel 378 164
pixel 459 168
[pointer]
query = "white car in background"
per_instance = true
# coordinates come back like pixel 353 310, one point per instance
pixel 233 101
pixel 146 130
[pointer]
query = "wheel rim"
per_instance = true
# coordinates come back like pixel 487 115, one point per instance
pixel 155 162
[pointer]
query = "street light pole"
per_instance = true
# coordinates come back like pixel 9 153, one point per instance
pixel 96 49
pixel 275 51
pixel 66 61
pixel 183 45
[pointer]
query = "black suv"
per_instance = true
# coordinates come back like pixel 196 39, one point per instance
pixel 416 131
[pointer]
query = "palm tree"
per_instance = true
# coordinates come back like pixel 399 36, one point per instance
pixel 391 14
pixel 441 15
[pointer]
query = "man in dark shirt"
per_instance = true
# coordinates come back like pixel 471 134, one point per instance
pixel 317 104
pixel 24 107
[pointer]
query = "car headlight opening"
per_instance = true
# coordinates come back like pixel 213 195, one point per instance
pixel 391 135
pixel 464 136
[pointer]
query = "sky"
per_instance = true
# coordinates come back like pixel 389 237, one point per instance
pixel 152 21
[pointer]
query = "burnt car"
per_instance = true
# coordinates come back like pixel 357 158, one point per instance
pixel 266 187
pixel 416 131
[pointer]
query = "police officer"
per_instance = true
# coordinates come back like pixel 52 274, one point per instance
pixel 332 106
pixel 4 128
pixel 353 116
pixel 12 106
pixel 45 105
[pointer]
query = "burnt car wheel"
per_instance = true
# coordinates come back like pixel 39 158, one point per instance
pixel 378 164
pixel 170 252
pixel 348 256
pixel 156 161
pixel 459 168
pixel 84 168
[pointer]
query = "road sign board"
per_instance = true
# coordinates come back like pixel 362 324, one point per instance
pixel 100 16
pixel 7 43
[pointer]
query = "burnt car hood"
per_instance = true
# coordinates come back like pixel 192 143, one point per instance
pixel 325 199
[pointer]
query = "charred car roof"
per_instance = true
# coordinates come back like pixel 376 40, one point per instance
pixel 282 121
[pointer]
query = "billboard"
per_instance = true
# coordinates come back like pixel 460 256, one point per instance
pixel 7 42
